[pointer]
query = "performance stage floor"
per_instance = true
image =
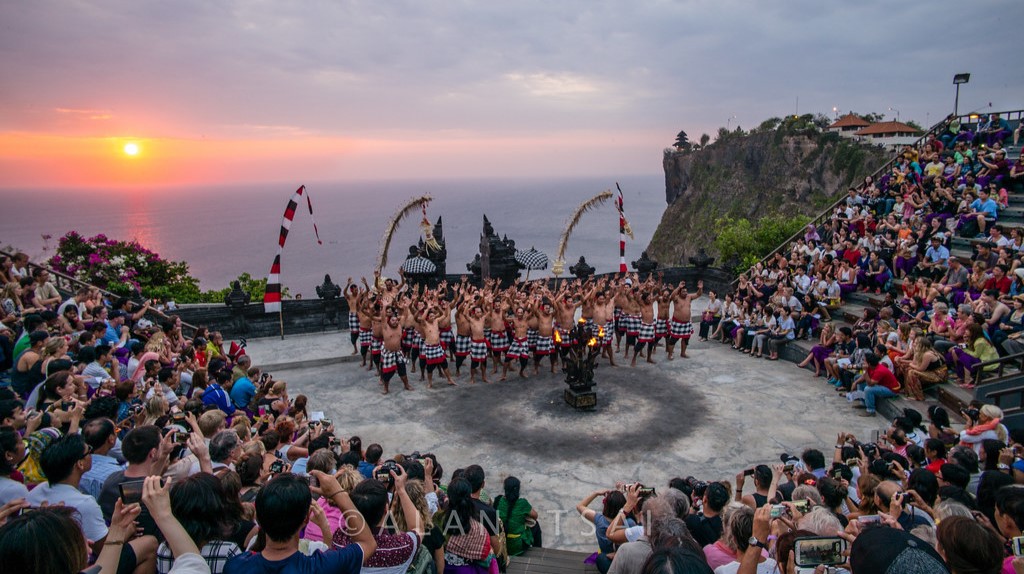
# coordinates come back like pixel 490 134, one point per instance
pixel 710 415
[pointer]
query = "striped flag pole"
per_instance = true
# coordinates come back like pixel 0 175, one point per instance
pixel 622 231
pixel 272 294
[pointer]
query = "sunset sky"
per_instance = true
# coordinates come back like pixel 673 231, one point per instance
pixel 215 91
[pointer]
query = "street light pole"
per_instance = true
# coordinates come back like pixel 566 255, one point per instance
pixel 957 80
pixel 892 109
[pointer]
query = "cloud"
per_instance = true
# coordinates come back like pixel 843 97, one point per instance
pixel 346 69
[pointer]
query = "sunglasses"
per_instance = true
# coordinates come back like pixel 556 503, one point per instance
pixel 88 451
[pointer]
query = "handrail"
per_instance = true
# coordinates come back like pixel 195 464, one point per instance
pixel 935 129
pixel 998 372
pixel 69 284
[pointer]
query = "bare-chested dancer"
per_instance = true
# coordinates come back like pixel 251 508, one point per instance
pixel 647 328
pixel 519 349
pixel 364 313
pixel 681 328
pixel 565 320
pixel 628 299
pixel 432 351
pixel 602 310
pixel 377 335
pixel 463 342
pixel 392 359
pixel 661 323
pixel 478 343
pixel 499 333
pixel 543 318
pixel 352 298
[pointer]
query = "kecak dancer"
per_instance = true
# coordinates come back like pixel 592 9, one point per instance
pixel 646 337
pixel 681 329
pixel 499 331
pixel 352 298
pixel 519 349
pixel 432 352
pixel 392 360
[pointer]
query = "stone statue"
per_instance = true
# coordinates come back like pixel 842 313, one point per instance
pixel 581 269
pixel 237 300
pixel 701 260
pixel 330 294
pixel 645 265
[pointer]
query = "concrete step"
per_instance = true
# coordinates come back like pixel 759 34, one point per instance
pixel 549 561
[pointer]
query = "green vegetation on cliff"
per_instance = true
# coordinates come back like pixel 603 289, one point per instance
pixel 785 167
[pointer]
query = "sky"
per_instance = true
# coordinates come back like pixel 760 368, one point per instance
pixel 251 90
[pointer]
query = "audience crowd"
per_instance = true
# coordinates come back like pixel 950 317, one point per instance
pixel 128 446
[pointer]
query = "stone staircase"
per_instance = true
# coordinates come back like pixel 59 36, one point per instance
pixel 548 561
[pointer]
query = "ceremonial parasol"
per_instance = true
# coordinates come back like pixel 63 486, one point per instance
pixel 419 266
pixel 531 260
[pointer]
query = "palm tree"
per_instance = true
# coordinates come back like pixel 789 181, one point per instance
pixel 704 139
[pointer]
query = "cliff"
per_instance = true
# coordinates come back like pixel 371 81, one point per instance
pixel 780 170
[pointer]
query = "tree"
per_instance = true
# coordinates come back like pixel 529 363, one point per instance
pixel 255 287
pixel 915 125
pixel 704 139
pixel 748 242
pixel 872 117
pixel 682 141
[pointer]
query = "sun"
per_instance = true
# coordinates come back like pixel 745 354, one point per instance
pixel 131 149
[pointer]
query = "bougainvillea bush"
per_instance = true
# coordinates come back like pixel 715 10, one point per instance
pixel 124 267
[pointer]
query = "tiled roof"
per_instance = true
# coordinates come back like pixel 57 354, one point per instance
pixel 887 128
pixel 850 120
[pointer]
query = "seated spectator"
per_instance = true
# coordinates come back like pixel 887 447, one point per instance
pixel 199 504
pixel 99 434
pixel 394 552
pixel 877 382
pixel 282 509
pixel 12 452
pixel 515 513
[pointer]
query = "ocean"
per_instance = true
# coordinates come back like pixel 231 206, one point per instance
pixel 223 231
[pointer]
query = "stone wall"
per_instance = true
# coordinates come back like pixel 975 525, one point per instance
pixel 308 315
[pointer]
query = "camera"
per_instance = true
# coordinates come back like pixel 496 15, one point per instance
pixel 180 437
pixel 178 417
pixel 276 467
pixel 852 462
pixel 748 472
pixel 326 422
pixel 1017 543
pixel 383 473
pixel 973 414
pixel 67 405
pixel 778 510
pixel 819 550
pixel 313 482
pixel 699 486
pixel 869 519
pixel 802 506
pixel 788 468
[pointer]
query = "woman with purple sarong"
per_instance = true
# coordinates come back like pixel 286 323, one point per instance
pixel 826 344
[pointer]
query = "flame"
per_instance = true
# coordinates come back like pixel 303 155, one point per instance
pixel 582 321
pixel 558 338
pixel 591 342
pixel 600 332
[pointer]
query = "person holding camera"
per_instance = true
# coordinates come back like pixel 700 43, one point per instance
pixel 283 508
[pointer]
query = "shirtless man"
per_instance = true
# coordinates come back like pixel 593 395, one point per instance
pixel 543 318
pixel 628 298
pixel 463 342
pixel 445 322
pixel 352 298
pixel 478 343
pixel 647 326
pixel 432 351
pixel 376 336
pixel 364 313
pixel 661 323
pixel 565 320
pixel 499 336
pixel 392 359
pixel 519 349
pixel 603 311
pixel 681 328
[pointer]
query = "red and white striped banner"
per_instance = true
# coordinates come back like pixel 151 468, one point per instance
pixel 622 231
pixel 272 295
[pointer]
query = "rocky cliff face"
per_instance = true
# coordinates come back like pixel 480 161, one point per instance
pixel 752 176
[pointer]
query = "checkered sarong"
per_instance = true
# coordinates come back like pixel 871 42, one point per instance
pixel 632 324
pixel 566 337
pixel 365 337
pixel 681 330
pixel 376 345
pixel 545 345
pixel 389 360
pixel 478 350
pixel 499 341
pixel 353 321
pixel 462 346
pixel 619 319
pixel 609 334
pixel 518 350
pixel 531 338
pixel 409 338
pixel 447 337
pixel 434 354
pixel 646 332
pixel 661 327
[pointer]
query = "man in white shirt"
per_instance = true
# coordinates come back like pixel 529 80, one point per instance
pixel 64 463
pixel 97 361
pixel 78 300
pixel 45 291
